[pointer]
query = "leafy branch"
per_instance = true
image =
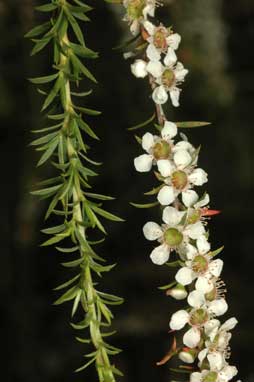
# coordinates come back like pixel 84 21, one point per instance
pixel 63 144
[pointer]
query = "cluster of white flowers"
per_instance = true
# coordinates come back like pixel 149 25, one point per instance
pixel 160 60
pixel 183 231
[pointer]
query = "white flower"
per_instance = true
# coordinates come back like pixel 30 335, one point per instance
pixel 172 75
pixel 161 38
pixel 157 148
pixel 171 235
pixel 216 307
pixel 218 338
pixel 179 180
pixel 138 68
pixel 136 12
pixel 199 266
pixel 197 317
pixel 225 374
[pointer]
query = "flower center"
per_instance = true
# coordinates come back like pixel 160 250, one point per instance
pixel 168 78
pixel 199 317
pixel 159 38
pixel 199 264
pixel 135 8
pixel 211 376
pixel 194 217
pixel 210 296
pixel 173 237
pixel 161 150
pixel 179 179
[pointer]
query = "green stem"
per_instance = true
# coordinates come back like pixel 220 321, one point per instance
pixel 102 360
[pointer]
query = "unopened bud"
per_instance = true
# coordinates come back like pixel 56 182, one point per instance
pixel 178 292
pixel 187 355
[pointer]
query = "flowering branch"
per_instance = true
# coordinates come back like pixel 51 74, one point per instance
pixel 63 144
pixel 183 234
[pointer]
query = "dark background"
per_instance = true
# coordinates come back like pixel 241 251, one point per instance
pixel 37 341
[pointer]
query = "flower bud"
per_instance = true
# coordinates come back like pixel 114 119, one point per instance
pixel 178 292
pixel 187 355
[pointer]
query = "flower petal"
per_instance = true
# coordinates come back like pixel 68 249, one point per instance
pixel 152 231
pixel 198 177
pixel 166 195
pixel 204 284
pixel 218 307
pixel 160 254
pixel 147 141
pixel 174 95
pixel 182 158
pixel 160 96
pixel 227 373
pixel 143 163
pixel 179 319
pixel 216 360
pixel 192 337
pixel 169 130
pixel 196 299
pixel 155 68
pixel 194 231
pixel 170 58
pixel 202 355
pixel 229 324
pixel 189 197
pixel 153 54
pixel 174 40
pixel 215 267
pixel 149 27
pixel 203 245
pixel 202 202
pixel 196 377
pixel 184 276
pixel 165 167
pixel 211 327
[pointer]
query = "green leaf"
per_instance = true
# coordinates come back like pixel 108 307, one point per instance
pixel 83 51
pixel 36 31
pixel 55 239
pixel 142 124
pixel 82 94
pixel 67 283
pixel 39 45
pixel 168 286
pixel 81 68
pixel 216 252
pixel 147 205
pixel 67 250
pixel 106 214
pixel 85 110
pixel 46 7
pixel 192 124
pixel 46 191
pixel 76 303
pixel 44 139
pixel 83 340
pixel 67 296
pixel 84 126
pixel 98 196
pixel 53 93
pixel 86 365
pixel 75 26
pixel 153 191
pixel 128 42
pixel 54 230
pixel 73 263
pixel 44 79
pixel 47 154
